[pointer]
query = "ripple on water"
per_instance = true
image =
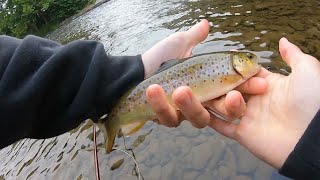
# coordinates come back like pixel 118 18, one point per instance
pixel 132 27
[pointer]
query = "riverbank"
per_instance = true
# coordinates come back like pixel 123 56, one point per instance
pixel 50 27
pixel 88 8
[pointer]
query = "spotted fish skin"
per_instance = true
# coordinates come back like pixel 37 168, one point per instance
pixel 208 75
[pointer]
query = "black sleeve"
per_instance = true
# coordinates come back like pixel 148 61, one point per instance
pixel 304 161
pixel 47 89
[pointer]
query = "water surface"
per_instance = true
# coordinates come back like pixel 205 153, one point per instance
pixel 132 27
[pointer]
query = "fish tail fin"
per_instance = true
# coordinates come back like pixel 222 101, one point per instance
pixel 110 130
pixel 111 135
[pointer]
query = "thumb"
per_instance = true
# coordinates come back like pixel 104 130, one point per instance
pixel 290 53
pixel 198 32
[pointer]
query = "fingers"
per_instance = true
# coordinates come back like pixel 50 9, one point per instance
pixel 290 53
pixel 166 114
pixel 223 127
pixel 231 106
pixel 198 32
pixel 254 85
pixel 263 73
pixel 190 107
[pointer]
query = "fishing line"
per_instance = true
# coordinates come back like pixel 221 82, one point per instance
pixel 138 170
pixel 96 163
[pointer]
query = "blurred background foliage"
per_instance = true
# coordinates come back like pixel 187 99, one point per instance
pixel 21 17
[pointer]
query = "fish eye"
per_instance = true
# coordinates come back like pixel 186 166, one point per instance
pixel 250 56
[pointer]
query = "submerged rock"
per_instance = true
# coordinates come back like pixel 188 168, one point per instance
pixel 246 162
pixel 296 25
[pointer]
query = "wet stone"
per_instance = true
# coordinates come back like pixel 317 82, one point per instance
pixel 188 130
pixel 201 139
pixel 248 24
pixel 272 36
pixel 153 173
pixel 202 154
pixel 183 146
pixel 246 162
pixel 262 6
pixel 167 171
pixel 261 27
pixel 312 33
pixel 263 172
pixel 192 174
pixel 235 21
pixel 312 48
pixel 286 12
pixel 282 20
pixel 298 37
pixel 229 160
pixel 165 153
pixel 205 176
pixel 224 172
pixel 241 177
pixel 296 25
pixel 218 149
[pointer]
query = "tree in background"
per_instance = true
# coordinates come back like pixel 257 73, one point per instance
pixel 20 17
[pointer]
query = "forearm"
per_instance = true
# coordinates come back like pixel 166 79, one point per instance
pixel 304 160
pixel 47 89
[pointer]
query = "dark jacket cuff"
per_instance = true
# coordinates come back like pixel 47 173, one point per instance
pixel 304 161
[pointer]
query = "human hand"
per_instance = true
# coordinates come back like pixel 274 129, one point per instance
pixel 176 46
pixel 180 45
pixel 274 121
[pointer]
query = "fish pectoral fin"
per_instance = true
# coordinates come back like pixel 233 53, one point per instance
pixel 131 128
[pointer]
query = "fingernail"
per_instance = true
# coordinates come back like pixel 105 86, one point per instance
pixel 152 97
pixel 185 100
pixel 237 103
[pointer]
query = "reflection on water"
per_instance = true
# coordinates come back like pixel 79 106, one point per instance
pixel 131 27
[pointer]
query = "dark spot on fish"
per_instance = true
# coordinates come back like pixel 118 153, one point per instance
pixel 212 80
pixel 218 73
pixel 187 84
pixel 221 81
pixel 204 80
pixel 201 67
pixel 213 70
pixel 145 102
pixel 222 65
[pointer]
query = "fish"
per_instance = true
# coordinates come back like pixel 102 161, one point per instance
pixel 209 75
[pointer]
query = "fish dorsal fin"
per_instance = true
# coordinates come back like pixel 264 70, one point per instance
pixel 168 64
pixel 131 128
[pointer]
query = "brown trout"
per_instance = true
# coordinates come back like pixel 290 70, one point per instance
pixel 208 75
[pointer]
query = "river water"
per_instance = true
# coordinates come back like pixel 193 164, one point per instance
pixel 130 28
